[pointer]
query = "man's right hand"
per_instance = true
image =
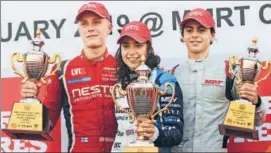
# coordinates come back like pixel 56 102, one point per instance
pixel 29 89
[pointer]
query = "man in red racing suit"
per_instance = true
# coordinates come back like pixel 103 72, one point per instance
pixel 82 86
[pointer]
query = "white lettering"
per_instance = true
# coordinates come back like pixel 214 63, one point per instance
pixel 131 27
pixel 19 146
pixel 77 71
pixel 9 145
pixel 85 91
pixel 95 89
pixel 92 91
pixel 74 92
pixel 105 87
pixel 166 99
pixel 38 146
pixel 195 13
pixel 263 134
pixel 5 143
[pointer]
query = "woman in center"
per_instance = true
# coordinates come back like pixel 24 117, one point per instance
pixel 135 41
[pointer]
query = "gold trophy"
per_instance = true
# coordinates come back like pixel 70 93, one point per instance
pixel 240 118
pixel 29 118
pixel 142 97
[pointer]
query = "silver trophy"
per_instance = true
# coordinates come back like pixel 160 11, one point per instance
pixel 142 97
pixel 240 118
pixel 247 69
pixel 29 118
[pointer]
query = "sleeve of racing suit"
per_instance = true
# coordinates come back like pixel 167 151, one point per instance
pixel 51 98
pixel 170 123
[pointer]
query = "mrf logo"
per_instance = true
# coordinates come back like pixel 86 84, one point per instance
pixel 214 82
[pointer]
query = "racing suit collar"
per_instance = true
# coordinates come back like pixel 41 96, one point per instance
pixel 199 64
pixel 96 59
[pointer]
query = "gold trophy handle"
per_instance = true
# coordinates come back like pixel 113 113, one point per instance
pixel 124 93
pixel 18 59
pixel 267 75
pixel 52 61
pixel 234 60
pixel 170 101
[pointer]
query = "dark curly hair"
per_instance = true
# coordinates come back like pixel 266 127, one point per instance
pixel 123 71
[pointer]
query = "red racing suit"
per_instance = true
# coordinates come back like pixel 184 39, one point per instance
pixel 82 89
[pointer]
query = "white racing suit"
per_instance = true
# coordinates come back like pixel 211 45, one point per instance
pixel 206 87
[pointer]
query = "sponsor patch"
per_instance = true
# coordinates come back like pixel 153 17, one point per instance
pixel 79 80
pixel 213 82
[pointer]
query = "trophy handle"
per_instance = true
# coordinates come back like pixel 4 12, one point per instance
pixel 124 93
pixel 267 75
pixel 234 60
pixel 52 61
pixel 18 59
pixel 170 101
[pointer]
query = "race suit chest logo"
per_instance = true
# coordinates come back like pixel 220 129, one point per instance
pixel 109 74
pixel 90 92
pixel 214 82
pixel 78 71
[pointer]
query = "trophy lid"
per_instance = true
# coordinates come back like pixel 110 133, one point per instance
pixel 253 47
pixel 143 70
pixel 37 42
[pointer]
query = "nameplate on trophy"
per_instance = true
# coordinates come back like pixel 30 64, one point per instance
pixel 26 117
pixel 241 115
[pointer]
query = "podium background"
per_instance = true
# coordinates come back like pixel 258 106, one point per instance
pixel 237 23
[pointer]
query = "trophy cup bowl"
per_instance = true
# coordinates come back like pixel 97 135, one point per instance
pixel 35 65
pixel 29 117
pixel 142 97
pixel 250 68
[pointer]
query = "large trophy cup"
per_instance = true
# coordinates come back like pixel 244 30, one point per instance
pixel 142 96
pixel 240 118
pixel 29 118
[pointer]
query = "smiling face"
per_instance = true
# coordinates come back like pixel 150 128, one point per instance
pixel 197 38
pixel 94 30
pixel 131 52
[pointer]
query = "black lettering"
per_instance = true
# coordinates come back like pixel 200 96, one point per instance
pixel 210 11
pixel 58 27
pixel 176 20
pixel 77 33
pixel 242 13
pixel 117 145
pixel 185 12
pixel 42 29
pixel 122 18
pixel 22 31
pixel 9 30
pixel 226 17
pixel 261 14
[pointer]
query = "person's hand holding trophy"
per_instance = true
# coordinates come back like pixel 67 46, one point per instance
pixel 240 119
pixel 142 97
pixel 29 117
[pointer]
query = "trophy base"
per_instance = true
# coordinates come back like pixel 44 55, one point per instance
pixel 140 146
pixel 238 132
pixel 28 135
